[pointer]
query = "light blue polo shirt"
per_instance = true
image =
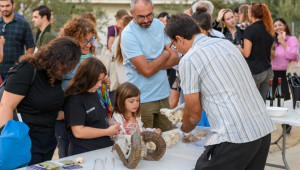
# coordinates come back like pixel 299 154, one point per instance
pixel 149 42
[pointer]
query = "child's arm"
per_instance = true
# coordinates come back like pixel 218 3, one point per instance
pixel 84 132
pixel 147 129
pixel 118 118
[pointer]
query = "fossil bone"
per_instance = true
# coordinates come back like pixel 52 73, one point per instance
pixel 189 138
pixel 168 140
pixel 175 137
pixel 171 138
pixel 174 117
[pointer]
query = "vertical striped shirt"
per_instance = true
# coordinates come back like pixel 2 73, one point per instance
pixel 216 69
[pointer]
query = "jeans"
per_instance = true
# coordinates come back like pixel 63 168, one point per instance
pixel 262 82
pixel 42 148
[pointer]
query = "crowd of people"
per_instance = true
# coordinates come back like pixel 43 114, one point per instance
pixel 221 66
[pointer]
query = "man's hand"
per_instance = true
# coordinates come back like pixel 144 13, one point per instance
pixel 149 68
pixel 173 59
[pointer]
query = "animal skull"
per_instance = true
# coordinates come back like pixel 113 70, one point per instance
pixel 149 145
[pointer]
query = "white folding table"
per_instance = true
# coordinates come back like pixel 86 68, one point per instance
pixel 291 118
pixel 178 157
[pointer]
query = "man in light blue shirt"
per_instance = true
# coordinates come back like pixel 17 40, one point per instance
pixel 215 77
pixel 146 51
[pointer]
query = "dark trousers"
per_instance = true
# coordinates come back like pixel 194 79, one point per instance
pixel 42 148
pixel 75 149
pixel 62 138
pixel 232 156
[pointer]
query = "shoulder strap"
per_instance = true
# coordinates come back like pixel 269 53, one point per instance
pixel 33 77
pixel 14 69
pixel 115 32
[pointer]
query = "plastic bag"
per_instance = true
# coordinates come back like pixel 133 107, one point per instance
pixel 15 145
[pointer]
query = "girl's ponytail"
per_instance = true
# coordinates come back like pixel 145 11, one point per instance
pixel 261 11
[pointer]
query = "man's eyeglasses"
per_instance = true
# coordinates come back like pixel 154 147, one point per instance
pixel 172 46
pixel 142 18
pixel 3 29
pixel 91 41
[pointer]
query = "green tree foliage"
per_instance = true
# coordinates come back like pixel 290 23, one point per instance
pixel 63 10
pixel 25 7
pixel 173 7
pixel 184 5
pixel 287 9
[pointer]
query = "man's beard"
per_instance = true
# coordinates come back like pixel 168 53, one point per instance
pixel 145 24
pixel 9 14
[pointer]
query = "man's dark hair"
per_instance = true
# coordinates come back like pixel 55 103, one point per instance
pixel 12 1
pixel 43 10
pixel 163 14
pixel 236 9
pixel 183 25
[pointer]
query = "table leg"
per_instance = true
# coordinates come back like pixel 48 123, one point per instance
pixel 283 147
pixel 286 166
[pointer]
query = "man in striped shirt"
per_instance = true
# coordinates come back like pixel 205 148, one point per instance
pixel 215 77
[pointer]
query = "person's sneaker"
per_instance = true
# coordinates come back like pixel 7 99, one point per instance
pixel 288 129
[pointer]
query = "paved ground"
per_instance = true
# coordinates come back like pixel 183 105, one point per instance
pixel 292 156
pixel 292 153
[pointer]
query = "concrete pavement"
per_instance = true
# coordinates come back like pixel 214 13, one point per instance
pixel 292 157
